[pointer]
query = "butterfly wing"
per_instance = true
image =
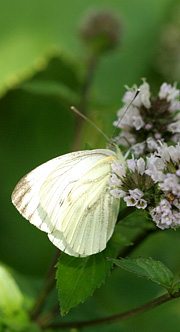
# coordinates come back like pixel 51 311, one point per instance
pixel 89 214
pixel 68 197
pixel 25 195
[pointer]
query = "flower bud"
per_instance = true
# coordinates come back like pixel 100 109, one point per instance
pixel 10 296
pixel 101 31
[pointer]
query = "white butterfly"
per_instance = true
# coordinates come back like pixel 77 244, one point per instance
pixel 69 198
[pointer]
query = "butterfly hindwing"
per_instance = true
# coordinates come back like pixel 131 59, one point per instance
pixel 88 216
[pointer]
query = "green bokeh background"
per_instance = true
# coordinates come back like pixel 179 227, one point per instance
pixel 42 63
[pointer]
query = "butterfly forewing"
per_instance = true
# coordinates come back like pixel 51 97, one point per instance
pixel 26 193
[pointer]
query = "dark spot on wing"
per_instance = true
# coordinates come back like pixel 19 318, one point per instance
pixel 23 210
pixel 16 198
pixel 61 202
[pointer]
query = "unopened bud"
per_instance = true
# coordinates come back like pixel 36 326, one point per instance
pixel 101 31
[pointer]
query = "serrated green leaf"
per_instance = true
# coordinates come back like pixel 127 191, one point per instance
pixel 77 278
pixel 148 268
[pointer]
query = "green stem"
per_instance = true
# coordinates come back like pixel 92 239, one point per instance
pixel 48 317
pixel 136 242
pixel 91 68
pixel 46 289
pixel 119 317
pixel 140 237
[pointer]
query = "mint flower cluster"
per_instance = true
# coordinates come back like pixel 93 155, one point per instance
pixel 167 213
pixel 125 182
pixel 151 183
pixel 147 119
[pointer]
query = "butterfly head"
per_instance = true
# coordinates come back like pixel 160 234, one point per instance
pixel 112 145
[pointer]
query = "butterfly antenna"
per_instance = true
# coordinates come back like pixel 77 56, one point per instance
pixel 88 120
pixel 119 121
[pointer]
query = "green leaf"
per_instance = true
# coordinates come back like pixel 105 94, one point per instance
pixel 51 88
pixel 27 32
pixel 148 268
pixel 58 79
pixel 77 278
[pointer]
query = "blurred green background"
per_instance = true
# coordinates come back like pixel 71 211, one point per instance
pixel 42 67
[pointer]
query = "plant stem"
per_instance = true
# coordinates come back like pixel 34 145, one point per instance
pixel 91 67
pixel 119 317
pixel 46 289
pixel 48 317
pixel 140 236
pixel 136 242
